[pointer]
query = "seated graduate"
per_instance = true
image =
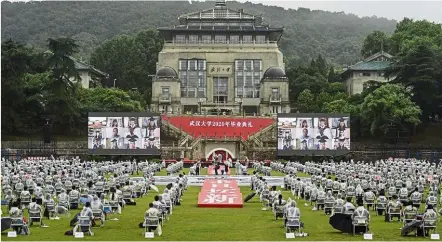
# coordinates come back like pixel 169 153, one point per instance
pixel 431 199
pixel 361 211
pixel 416 198
pixel 279 202
pixel 429 215
pixel 49 202
pixel 329 200
pixel 292 212
pixel 349 208
pixel 152 212
pixel 369 196
pixel 96 205
pixel 35 208
pixel 381 202
pixel 408 208
pixel 394 205
pixel 16 212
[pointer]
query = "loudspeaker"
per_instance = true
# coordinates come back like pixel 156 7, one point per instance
pixel 47 133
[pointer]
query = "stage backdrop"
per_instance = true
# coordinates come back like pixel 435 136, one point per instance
pixel 124 133
pixel 219 127
pixel 313 134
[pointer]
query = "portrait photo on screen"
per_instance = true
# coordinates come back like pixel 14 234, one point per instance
pixel 341 128
pixel 287 122
pixel 132 138
pixel 115 122
pixel 322 130
pixel 305 123
pixel 286 139
pixel 98 139
pixel 131 122
pixel 114 139
pixel 341 144
pixel 97 122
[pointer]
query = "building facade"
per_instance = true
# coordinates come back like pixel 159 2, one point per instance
pixel 89 75
pixel 361 75
pixel 220 61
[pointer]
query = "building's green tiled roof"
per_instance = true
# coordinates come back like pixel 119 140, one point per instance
pixel 370 66
pixel 82 66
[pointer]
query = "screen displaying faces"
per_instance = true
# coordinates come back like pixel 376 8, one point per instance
pixel 320 133
pixel 130 134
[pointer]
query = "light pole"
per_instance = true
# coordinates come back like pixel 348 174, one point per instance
pixel 200 102
pixel 114 82
pixel 239 101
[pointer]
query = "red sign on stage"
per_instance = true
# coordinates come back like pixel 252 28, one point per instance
pixel 219 127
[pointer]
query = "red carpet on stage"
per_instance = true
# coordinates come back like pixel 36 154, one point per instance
pixel 220 194
pixel 211 170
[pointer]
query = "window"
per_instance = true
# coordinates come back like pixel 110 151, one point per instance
pixel 193 78
pixel 234 39
pixel 247 39
pixel 165 108
pixel 366 74
pixel 165 91
pixel 275 94
pixel 206 39
pixel 193 39
pixel 220 39
pixel 247 78
pixel 260 39
pixel 275 109
pixel 220 89
pixel 180 39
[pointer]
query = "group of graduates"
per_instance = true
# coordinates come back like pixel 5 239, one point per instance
pixel 394 188
pixel 274 201
pixel 50 187
pixel 162 207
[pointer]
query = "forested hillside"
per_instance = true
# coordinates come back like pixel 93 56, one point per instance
pixel 336 36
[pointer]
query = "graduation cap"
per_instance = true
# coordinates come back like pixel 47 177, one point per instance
pixel 322 137
pixel 341 120
pixel 151 119
pixel 151 139
pixel 322 140
pixel 304 141
pixel 132 139
pixel 114 140
pixel 341 139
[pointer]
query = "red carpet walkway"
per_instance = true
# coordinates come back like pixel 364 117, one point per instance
pixel 220 194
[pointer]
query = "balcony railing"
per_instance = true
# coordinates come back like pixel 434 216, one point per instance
pixel 164 99
pixel 213 42
pixel 275 98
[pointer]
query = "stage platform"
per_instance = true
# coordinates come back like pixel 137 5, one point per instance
pixel 217 193
pixel 199 180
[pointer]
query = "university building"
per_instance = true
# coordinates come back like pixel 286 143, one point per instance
pixel 223 67
pixel 220 61
pixel 370 71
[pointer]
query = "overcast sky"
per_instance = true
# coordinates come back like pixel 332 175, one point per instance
pixel 430 10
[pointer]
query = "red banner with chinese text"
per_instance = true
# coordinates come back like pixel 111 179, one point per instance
pixel 219 127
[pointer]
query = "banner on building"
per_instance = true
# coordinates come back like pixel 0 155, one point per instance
pixel 219 127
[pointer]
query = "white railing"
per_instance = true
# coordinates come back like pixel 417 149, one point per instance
pixel 175 43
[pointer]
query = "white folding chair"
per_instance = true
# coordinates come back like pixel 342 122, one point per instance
pixel 293 224
pixel 84 225
pixel 360 221
pixel 428 225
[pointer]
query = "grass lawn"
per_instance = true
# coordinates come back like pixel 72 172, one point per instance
pixel 188 222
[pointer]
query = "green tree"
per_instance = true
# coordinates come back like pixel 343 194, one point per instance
pixel 306 102
pixel 375 42
pixel 333 76
pixel 16 59
pixel 130 60
pixel 390 104
pixel 62 88
pixel 421 71
pixel 410 34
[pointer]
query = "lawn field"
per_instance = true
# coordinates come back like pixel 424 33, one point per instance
pixel 188 222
